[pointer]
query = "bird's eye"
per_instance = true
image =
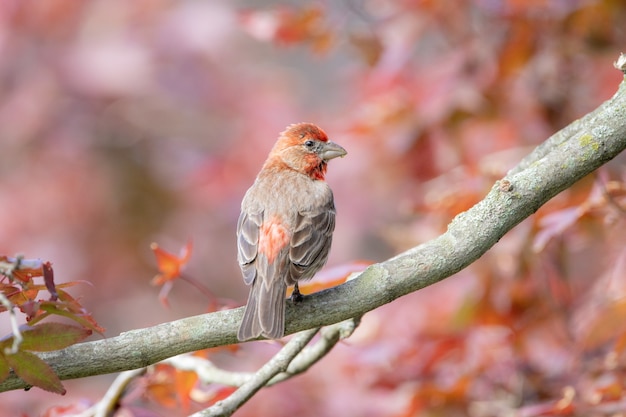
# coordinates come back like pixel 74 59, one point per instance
pixel 309 144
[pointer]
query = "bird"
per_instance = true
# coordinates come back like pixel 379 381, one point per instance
pixel 285 227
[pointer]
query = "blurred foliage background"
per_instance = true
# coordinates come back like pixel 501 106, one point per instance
pixel 124 123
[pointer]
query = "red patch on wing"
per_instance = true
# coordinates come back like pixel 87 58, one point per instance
pixel 273 238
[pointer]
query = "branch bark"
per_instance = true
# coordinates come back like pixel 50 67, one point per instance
pixel 566 157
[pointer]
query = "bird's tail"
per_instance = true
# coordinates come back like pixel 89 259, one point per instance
pixel 265 311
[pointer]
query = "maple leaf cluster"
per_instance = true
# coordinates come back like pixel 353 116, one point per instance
pixel 19 290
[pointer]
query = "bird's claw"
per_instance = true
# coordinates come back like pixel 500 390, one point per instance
pixel 296 296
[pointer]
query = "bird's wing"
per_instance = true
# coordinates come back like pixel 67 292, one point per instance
pixel 311 240
pixel 248 228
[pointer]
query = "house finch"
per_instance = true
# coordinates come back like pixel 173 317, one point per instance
pixel 285 227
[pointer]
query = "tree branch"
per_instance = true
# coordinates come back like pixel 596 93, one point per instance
pixel 310 355
pixel 279 363
pixel 555 165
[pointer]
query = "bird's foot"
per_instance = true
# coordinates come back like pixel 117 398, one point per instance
pixel 296 296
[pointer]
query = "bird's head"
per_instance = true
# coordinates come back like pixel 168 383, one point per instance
pixel 305 148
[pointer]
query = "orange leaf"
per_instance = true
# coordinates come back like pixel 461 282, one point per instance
pixel 70 308
pixel 331 277
pixel 170 266
pixel 606 324
pixel 612 391
pixel 185 381
pixel 171 387
pixel 289 26
pixel 18 296
pixel 206 353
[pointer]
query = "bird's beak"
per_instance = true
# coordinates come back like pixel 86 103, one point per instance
pixel 331 150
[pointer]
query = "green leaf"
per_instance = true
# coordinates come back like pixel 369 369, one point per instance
pixel 4 367
pixel 52 336
pixel 70 308
pixel 34 371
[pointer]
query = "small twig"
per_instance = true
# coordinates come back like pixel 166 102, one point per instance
pixel 15 328
pixel 207 372
pixel 279 363
pixel 111 399
pixel 199 286
pixel 109 402
pixel 310 355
